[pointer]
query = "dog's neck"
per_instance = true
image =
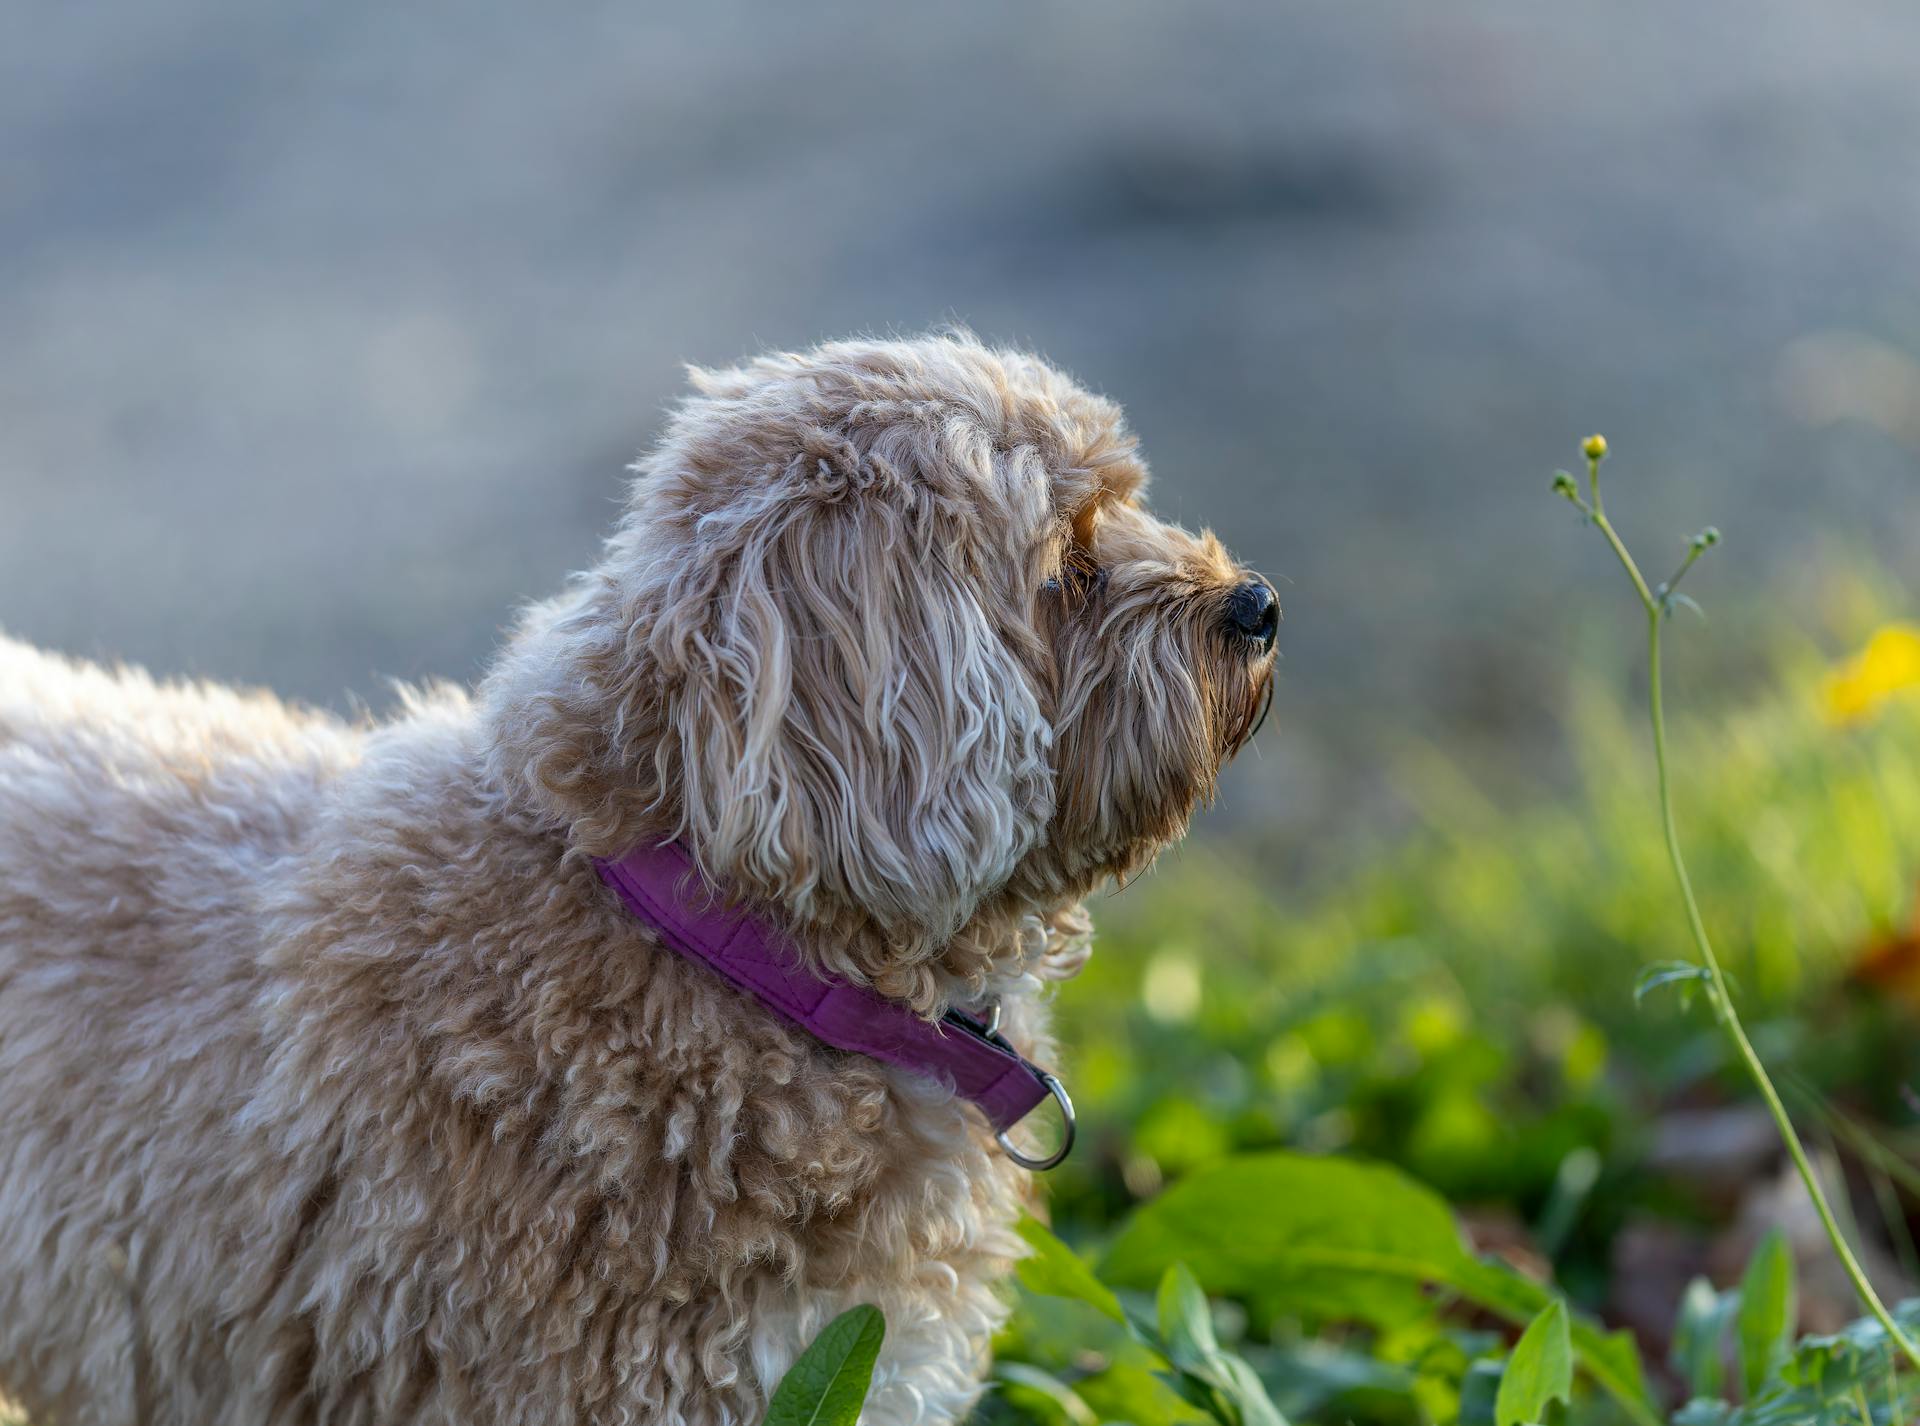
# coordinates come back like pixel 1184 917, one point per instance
pixel 661 887
pixel 577 737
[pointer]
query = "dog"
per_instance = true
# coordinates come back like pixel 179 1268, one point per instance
pixel 337 1086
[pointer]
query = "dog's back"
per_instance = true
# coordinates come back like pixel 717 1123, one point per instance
pixel 327 1092
pixel 134 821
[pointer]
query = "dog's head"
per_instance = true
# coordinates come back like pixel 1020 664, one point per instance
pixel 890 641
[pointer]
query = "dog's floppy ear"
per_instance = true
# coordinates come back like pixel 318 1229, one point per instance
pixel 807 654
pixel 851 732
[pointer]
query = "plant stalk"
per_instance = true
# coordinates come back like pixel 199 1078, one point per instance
pixel 1721 997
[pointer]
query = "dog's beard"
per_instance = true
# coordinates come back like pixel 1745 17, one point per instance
pixel 1246 720
pixel 1154 717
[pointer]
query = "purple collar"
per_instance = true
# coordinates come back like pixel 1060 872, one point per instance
pixel 661 887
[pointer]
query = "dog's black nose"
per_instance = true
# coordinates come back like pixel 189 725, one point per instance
pixel 1254 610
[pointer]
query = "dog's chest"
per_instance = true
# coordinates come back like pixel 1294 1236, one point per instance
pixel 545 1129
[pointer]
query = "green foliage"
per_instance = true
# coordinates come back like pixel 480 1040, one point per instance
pixel 1331 1239
pixel 1282 1092
pixel 1540 1370
pixel 1327 1241
pixel 1460 1013
pixel 828 1384
pixel 1854 1377
pixel 1763 1325
pixel 1216 1380
pixel 1171 1368
pixel 1610 1358
pixel 1699 1334
pixel 1178 1346
pixel 1053 1268
pixel 1305 1236
pixel 1461 1007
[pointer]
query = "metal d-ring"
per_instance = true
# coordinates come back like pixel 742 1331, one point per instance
pixel 1059 1092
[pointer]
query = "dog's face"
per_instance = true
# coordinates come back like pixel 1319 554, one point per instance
pixel 890 640
pixel 1160 659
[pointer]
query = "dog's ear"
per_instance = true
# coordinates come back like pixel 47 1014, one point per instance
pixel 850 729
pixel 808 653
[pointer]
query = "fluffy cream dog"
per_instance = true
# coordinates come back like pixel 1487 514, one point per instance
pixel 335 1087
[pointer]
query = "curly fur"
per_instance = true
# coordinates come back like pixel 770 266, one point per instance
pixel 334 1087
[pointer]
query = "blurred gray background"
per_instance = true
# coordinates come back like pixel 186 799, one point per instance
pixel 328 328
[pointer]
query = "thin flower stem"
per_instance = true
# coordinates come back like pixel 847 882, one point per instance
pixel 1721 997
pixel 1694 552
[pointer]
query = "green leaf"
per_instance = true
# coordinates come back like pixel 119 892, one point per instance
pixel 1763 1326
pixel 1668 605
pixel 1128 1393
pixel 827 1386
pixel 1610 1358
pixel 1303 1376
pixel 1697 1334
pixel 1248 1393
pixel 1859 1352
pixel 1318 1236
pixel 1664 973
pixel 1540 1370
pixel 1187 1337
pixel 1335 1238
pixel 1028 1386
pixel 1055 1270
pixel 1186 1322
pixel 1478 1388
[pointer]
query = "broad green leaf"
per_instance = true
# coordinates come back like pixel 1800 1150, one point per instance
pixel 1540 1370
pixel 1318 1236
pixel 828 1384
pixel 1332 1237
pixel 1055 1270
pixel 1763 1326
pixel 1698 1331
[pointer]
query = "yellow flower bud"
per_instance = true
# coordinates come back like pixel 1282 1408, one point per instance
pixel 1594 447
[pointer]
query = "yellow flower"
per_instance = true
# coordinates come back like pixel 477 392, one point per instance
pixel 1594 447
pixel 1888 665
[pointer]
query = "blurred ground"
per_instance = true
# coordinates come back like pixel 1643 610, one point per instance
pixel 330 326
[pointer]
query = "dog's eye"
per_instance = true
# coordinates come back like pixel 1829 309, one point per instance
pixel 1077 579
